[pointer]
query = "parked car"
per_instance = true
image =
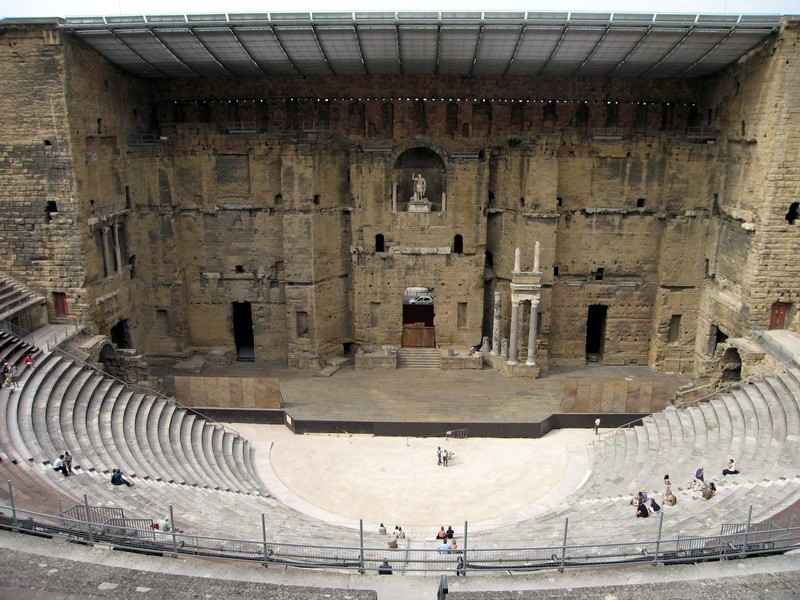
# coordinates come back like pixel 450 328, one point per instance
pixel 421 300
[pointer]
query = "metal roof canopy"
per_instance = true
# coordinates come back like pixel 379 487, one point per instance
pixel 425 43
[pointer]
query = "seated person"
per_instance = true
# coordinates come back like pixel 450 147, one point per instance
pixel 441 534
pixel 641 511
pixel 709 491
pixel 449 532
pixel 669 498
pixel 392 543
pixel 118 479
pixel 385 568
pixel 443 548
pixel 731 470
pixel 654 506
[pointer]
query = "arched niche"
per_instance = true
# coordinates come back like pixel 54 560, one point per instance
pixel 418 181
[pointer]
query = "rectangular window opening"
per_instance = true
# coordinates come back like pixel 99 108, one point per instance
pixel 674 335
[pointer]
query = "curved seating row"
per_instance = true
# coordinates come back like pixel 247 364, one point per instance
pixel 173 456
pixel 15 297
pixel 757 424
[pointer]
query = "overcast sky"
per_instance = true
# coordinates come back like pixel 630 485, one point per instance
pixel 64 8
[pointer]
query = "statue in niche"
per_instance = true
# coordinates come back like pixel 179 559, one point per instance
pixel 418 202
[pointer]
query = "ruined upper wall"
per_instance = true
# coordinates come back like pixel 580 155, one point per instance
pixel 756 106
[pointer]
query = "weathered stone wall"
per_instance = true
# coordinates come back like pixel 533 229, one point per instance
pixel 40 214
pixel 678 239
pixel 753 246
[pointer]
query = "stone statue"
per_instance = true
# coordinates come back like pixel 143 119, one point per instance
pixel 420 186
pixel 418 202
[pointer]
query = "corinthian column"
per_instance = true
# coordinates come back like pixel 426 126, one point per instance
pixel 512 347
pixel 532 332
pixel 537 249
pixel 496 326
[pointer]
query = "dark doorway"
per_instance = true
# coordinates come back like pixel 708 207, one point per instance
pixel 243 332
pixel 596 332
pixel 121 334
pixel 418 318
pixel 731 366
pixel 777 318
pixel 62 307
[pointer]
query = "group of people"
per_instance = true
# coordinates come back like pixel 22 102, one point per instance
pixel 396 534
pixel 707 491
pixel 64 464
pixel 447 540
pixel 10 376
pixel 642 509
pixel 443 456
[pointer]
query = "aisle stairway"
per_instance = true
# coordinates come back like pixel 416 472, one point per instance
pixel 419 358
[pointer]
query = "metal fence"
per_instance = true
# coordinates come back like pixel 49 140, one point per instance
pixel 137 535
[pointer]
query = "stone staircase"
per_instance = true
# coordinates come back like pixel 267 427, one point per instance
pixel 419 358
pixel 14 297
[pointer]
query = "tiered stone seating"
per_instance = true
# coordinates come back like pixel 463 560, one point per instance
pixel 172 455
pixel 14 297
pixel 758 425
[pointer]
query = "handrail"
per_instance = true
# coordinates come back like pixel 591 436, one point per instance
pixel 70 330
pixel 342 557
pixel 130 386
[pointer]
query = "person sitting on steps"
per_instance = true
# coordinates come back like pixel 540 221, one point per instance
pixel 118 479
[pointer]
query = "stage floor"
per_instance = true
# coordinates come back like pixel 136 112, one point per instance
pixel 426 395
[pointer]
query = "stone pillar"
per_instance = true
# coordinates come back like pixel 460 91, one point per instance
pixel 117 252
pixel 504 349
pixel 106 252
pixel 485 347
pixel 517 260
pixel 537 248
pixel 532 332
pixel 512 346
pixel 394 196
pixel 496 325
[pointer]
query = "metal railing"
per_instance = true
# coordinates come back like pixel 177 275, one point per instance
pixel 59 337
pixel 734 541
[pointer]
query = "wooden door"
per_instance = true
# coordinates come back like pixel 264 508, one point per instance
pixel 777 319
pixel 418 335
pixel 62 308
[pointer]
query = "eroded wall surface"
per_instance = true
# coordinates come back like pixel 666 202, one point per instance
pixel 180 201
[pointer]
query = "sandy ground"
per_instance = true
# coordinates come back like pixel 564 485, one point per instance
pixel 395 480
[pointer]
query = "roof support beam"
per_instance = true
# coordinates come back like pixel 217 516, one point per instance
pixel 438 47
pixel 210 53
pixel 672 50
pixel 250 56
pixel 477 48
pixel 360 49
pixel 322 50
pixel 555 49
pixel 283 50
pixel 631 51
pixel 516 49
pixel 717 45
pixel 399 48
pixel 593 50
